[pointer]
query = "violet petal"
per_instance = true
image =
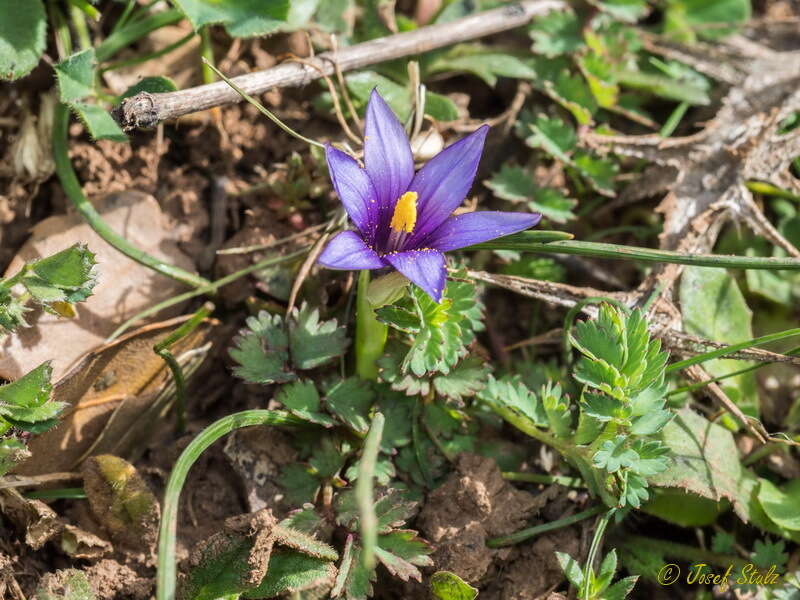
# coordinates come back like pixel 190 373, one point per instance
pixel 387 156
pixel 427 268
pixel 355 190
pixel 460 231
pixel 443 183
pixel 348 251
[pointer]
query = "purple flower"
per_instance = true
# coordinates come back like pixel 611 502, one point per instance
pixel 403 219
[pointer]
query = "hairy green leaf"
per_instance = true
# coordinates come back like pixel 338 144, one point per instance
pixel 445 585
pixel 313 342
pixel 23 27
pixel 241 18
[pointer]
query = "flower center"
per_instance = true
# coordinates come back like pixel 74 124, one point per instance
pixel 405 213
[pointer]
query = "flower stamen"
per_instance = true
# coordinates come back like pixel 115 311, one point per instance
pixel 403 220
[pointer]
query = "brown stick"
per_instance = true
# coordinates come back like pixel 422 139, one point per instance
pixel 147 110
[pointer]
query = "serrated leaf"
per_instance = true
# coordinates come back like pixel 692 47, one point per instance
pixel 27 400
pixel 767 553
pixel 302 542
pixel 599 172
pixel 466 379
pixel 554 136
pixel 12 312
pixel 327 459
pixel 707 19
pixel 510 394
pixel 614 455
pixel 98 122
pixel 262 351
pixel 572 92
pixel 302 400
pixel 393 509
pixel 621 589
pixel 67 276
pixel 401 552
pixel 602 407
pixel 705 460
pixel 290 572
pixel 557 32
pixel 651 423
pixel 445 585
pixel 354 581
pixel 350 400
pixel 653 457
pixel 629 11
pixel 241 18
pixel 222 569
pixel 76 76
pixel 23 27
pixel 399 317
pixel 303 519
pixel 313 342
pixel 517 184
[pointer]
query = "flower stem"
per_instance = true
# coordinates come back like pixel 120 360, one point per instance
pixel 364 491
pixel 526 534
pixel 72 188
pixel 370 333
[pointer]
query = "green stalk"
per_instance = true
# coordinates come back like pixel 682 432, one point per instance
pixel 78 18
pixel 575 482
pixel 759 341
pixel 207 55
pixel 134 31
pixel 526 534
pixel 57 494
pixel 521 243
pixel 767 189
pixel 261 108
pixel 370 333
pixel 211 288
pixel 72 188
pixel 599 531
pixel 364 497
pixel 674 120
pixel 167 568
pixel 162 349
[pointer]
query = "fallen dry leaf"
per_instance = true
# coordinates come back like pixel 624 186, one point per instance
pixel 124 289
pixel 115 394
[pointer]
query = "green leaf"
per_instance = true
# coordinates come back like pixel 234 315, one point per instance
pixel 444 330
pixel 705 461
pixel 517 184
pixel 327 459
pixel 485 62
pixel 440 108
pixel 76 75
pixel 571 569
pixel 67 276
pixel 767 553
pixel 23 26
pixel 557 32
pixel 222 568
pixel 98 122
pixel 262 351
pixel 629 11
pixel 27 400
pixel 154 85
pixel 350 400
pixel 445 585
pixel 653 457
pixel 354 581
pixel 313 342
pixel 554 136
pixel 599 172
pixel 602 407
pixel 713 307
pixel 599 76
pixel 723 542
pixel 509 394
pixel 621 589
pixel 401 552
pixel 651 423
pixel 781 506
pixel 302 542
pixel 241 18
pixel 290 572
pixel 666 87
pixel 392 509
pixel 302 400
pixel 711 20
pixel 299 483
pixel 614 455
pixel 12 312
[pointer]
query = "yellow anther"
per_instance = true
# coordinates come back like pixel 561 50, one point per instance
pixel 405 213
